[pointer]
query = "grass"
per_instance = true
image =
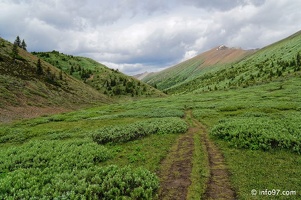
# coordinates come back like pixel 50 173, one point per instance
pixel 105 80
pixel 147 152
pixel 281 59
pixel 242 121
pixel 250 168
pixel 259 170
pixel 200 170
pixel 30 141
pixel 21 86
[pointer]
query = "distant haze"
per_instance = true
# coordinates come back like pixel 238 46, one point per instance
pixel 137 36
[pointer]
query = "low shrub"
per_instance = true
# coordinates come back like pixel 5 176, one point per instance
pixel 124 133
pixel 261 132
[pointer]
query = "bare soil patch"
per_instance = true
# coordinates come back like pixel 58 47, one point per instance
pixel 15 113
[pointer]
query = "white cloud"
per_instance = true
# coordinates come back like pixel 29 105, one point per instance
pixel 137 36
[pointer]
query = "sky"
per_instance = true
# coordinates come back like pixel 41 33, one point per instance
pixel 135 36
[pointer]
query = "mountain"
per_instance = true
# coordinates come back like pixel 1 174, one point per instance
pixel 107 81
pixel 226 68
pixel 142 75
pixel 25 92
pixel 192 68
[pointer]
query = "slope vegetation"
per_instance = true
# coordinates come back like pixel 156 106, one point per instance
pixel 107 81
pixel 192 68
pixel 25 91
pixel 240 143
pixel 279 60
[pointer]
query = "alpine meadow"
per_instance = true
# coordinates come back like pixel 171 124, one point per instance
pixel 224 124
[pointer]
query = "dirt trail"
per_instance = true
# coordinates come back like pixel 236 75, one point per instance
pixel 177 167
pixel 218 186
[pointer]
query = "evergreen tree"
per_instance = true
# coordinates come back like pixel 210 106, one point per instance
pixel 71 70
pixel 113 82
pixel 61 75
pixel 23 45
pixel 39 68
pixel 15 51
pixel 18 41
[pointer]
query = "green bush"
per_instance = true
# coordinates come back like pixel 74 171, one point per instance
pixel 69 170
pixel 261 132
pixel 109 182
pixel 61 155
pixel 124 133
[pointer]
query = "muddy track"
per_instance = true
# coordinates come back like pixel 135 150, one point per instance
pixel 176 168
pixel 218 186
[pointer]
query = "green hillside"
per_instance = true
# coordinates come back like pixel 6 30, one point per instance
pixel 119 150
pixel 107 81
pixel 22 86
pixel 210 61
pixel 281 59
pixel 232 132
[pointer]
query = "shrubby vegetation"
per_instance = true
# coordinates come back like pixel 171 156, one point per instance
pixel 59 154
pixel 68 170
pixel 124 133
pixel 107 81
pixel 281 59
pixel 109 182
pixel 144 112
pixel 55 157
pixel 261 132
pixel 40 162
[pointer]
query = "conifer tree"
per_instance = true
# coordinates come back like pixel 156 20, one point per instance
pixel 71 70
pixel 15 51
pixel 23 45
pixel 18 41
pixel 61 75
pixel 39 68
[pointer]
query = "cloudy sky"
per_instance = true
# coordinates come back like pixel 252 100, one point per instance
pixel 146 35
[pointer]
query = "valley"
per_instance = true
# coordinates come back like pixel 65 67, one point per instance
pixel 226 128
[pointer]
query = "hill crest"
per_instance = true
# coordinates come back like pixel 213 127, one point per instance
pixel 37 93
pixel 223 68
pixel 189 69
pixel 107 81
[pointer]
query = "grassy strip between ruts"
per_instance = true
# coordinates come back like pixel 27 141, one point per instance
pixel 200 166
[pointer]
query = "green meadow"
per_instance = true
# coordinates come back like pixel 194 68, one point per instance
pixel 115 151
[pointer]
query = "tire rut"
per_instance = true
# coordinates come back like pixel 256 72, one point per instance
pixel 175 178
pixel 218 185
pixel 176 168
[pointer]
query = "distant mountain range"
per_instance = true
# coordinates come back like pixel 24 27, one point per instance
pixel 223 68
pixel 142 75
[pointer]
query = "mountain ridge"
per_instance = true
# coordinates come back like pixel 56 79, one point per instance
pixel 280 59
pixel 107 81
pixel 192 67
